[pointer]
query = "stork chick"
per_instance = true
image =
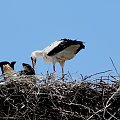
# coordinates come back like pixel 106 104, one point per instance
pixel 8 71
pixel 28 70
pixel 5 63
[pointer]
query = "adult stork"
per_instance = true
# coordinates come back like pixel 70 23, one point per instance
pixel 59 51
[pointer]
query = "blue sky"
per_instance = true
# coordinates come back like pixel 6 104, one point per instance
pixel 28 25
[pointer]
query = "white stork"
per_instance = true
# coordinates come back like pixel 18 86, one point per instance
pixel 58 51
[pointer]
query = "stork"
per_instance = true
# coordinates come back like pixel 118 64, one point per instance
pixel 28 70
pixel 59 51
pixel 8 72
pixel 5 63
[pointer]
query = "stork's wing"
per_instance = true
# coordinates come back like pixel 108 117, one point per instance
pixel 51 47
pixel 63 44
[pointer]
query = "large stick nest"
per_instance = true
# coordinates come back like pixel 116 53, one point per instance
pixel 31 98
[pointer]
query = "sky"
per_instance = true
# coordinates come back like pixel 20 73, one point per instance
pixel 29 25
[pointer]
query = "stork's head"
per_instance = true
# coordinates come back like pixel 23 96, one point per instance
pixel 34 56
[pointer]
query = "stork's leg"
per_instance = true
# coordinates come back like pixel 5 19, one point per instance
pixel 54 74
pixel 62 70
pixel 62 66
pixel 63 73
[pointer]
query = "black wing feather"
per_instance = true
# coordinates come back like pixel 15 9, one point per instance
pixel 64 44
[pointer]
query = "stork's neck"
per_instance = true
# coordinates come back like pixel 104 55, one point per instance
pixel 38 53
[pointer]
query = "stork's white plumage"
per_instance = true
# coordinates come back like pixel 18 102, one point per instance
pixel 58 51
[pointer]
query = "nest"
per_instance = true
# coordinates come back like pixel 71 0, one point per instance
pixel 42 98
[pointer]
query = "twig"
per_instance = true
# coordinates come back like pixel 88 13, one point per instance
pixel 107 103
pixel 95 113
pixel 86 77
pixel 114 66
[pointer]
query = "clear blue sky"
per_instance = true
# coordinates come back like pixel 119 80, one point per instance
pixel 28 25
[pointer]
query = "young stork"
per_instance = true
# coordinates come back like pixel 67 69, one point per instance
pixel 9 72
pixel 28 70
pixel 59 51
pixel 5 63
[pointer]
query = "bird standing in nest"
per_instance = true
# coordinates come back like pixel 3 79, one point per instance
pixel 59 51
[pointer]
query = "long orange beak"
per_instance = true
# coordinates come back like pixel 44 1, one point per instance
pixel 33 62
